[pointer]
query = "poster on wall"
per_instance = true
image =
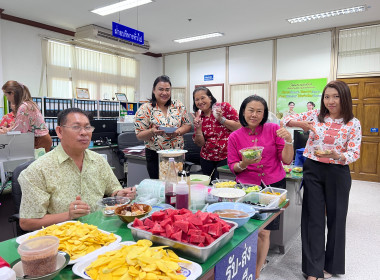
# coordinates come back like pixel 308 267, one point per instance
pixel 297 96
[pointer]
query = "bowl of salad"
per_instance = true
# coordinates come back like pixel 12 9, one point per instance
pixel 252 152
pixel 199 179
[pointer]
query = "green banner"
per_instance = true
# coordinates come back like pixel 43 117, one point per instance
pixel 299 93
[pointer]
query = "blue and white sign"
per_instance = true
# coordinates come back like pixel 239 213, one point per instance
pixel 240 263
pixel 208 77
pixel 374 129
pixel 127 33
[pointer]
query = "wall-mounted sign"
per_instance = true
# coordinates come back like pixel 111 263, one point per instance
pixel 208 77
pixel 374 129
pixel 127 33
pixel 293 96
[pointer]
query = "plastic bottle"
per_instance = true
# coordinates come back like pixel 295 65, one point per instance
pixel 170 183
pixel 6 273
pixel 182 194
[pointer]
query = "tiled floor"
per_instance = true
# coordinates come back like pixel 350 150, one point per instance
pixel 362 244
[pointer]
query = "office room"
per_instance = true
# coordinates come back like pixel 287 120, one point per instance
pixel 68 56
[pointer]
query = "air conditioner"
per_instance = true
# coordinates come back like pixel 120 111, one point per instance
pixel 101 38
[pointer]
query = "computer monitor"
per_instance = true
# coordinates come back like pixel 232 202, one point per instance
pixel 104 129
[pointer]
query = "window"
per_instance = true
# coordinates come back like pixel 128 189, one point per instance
pixel 241 91
pixel 179 94
pixel 69 67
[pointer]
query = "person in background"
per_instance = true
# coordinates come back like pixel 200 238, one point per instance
pixel 9 119
pixel 327 179
pixel 212 132
pixel 67 182
pixel 161 111
pixel 310 105
pixel 267 169
pixel 290 112
pixel 28 116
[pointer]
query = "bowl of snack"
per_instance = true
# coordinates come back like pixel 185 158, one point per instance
pixel 223 183
pixel 297 169
pixel 199 179
pixel 128 213
pixel 248 188
pixel 228 194
pixel 288 168
pixel 109 204
pixel 324 149
pixel 252 152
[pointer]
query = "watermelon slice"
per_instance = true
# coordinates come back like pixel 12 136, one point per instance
pixel 177 236
pixel 158 216
pixel 137 223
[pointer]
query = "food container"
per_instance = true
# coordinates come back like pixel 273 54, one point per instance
pixel 233 206
pixel 288 168
pixel 62 261
pixel 228 194
pixel 248 188
pixel 253 199
pixel 195 253
pixel 130 218
pixel 109 204
pixel 199 179
pixel 198 195
pixel 39 255
pixel 324 149
pixel 281 193
pixel 163 161
pixel 252 152
pixel 223 183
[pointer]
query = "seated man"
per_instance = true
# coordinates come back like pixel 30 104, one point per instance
pixel 67 182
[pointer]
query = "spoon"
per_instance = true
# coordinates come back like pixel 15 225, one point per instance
pixel 267 186
pixel 211 174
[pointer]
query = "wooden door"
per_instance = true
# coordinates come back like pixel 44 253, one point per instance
pixel 366 107
pixel 217 91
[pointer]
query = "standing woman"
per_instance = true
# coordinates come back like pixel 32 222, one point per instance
pixel 161 110
pixel 278 148
pixel 28 116
pixel 211 133
pixel 327 180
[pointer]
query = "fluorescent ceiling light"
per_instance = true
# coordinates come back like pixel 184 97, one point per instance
pixel 128 4
pixel 200 37
pixel 329 14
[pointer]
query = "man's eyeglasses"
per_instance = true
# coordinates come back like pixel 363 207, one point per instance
pixel 78 128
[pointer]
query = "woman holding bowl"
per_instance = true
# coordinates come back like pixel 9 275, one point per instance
pixel 212 129
pixel 165 112
pixel 334 142
pixel 267 168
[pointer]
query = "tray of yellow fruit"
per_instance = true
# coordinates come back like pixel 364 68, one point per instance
pixel 223 183
pixel 137 260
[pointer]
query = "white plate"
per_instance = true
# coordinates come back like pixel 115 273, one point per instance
pixel 167 129
pixel 24 237
pixel 228 192
pixel 191 270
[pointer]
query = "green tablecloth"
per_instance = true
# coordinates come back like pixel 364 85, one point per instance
pixel 8 248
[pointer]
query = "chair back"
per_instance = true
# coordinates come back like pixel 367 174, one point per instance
pixel 16 189
pixel 193 150
pixel 128 139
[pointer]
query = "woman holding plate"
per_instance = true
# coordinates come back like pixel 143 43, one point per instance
pixel 266 167
pixel 161 114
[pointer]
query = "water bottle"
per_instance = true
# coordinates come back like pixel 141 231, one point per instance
pixel 170 183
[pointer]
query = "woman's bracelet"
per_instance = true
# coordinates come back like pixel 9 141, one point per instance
pixel 198 134
pixel 238 166
pixel 222 120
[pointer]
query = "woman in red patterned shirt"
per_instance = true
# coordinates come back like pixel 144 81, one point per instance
pixel 9 119
pixel 212 129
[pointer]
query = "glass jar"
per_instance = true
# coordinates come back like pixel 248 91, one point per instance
pixel 163 161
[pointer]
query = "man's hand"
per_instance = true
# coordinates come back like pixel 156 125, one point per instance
pixel 129 192
pixel 78 208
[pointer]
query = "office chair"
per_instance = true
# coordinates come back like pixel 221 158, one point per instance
pixel 16 196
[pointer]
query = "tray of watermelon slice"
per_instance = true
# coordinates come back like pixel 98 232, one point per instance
pixel 196 236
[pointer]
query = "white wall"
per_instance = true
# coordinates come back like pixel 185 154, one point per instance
pixel 251 62
pixel 176 69
pixel 304 57
pixel 22 59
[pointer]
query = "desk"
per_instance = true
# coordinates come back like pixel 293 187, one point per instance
pixel 8 249
pixel 291 219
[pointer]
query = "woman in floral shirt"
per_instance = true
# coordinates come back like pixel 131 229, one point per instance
pixel 327 179
pixel 28 116
pixel 212 132
pixel 161 111
pixel 9 119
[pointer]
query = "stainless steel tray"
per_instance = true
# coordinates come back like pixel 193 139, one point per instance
pixel 198 254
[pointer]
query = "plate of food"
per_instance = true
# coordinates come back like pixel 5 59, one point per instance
pixel 324 149
pixel 167 129
pixel 136 258
pixel 73 235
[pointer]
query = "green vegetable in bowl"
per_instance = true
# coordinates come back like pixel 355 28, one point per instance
pixel 196 179
pixel 252 154
pixel 252 189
